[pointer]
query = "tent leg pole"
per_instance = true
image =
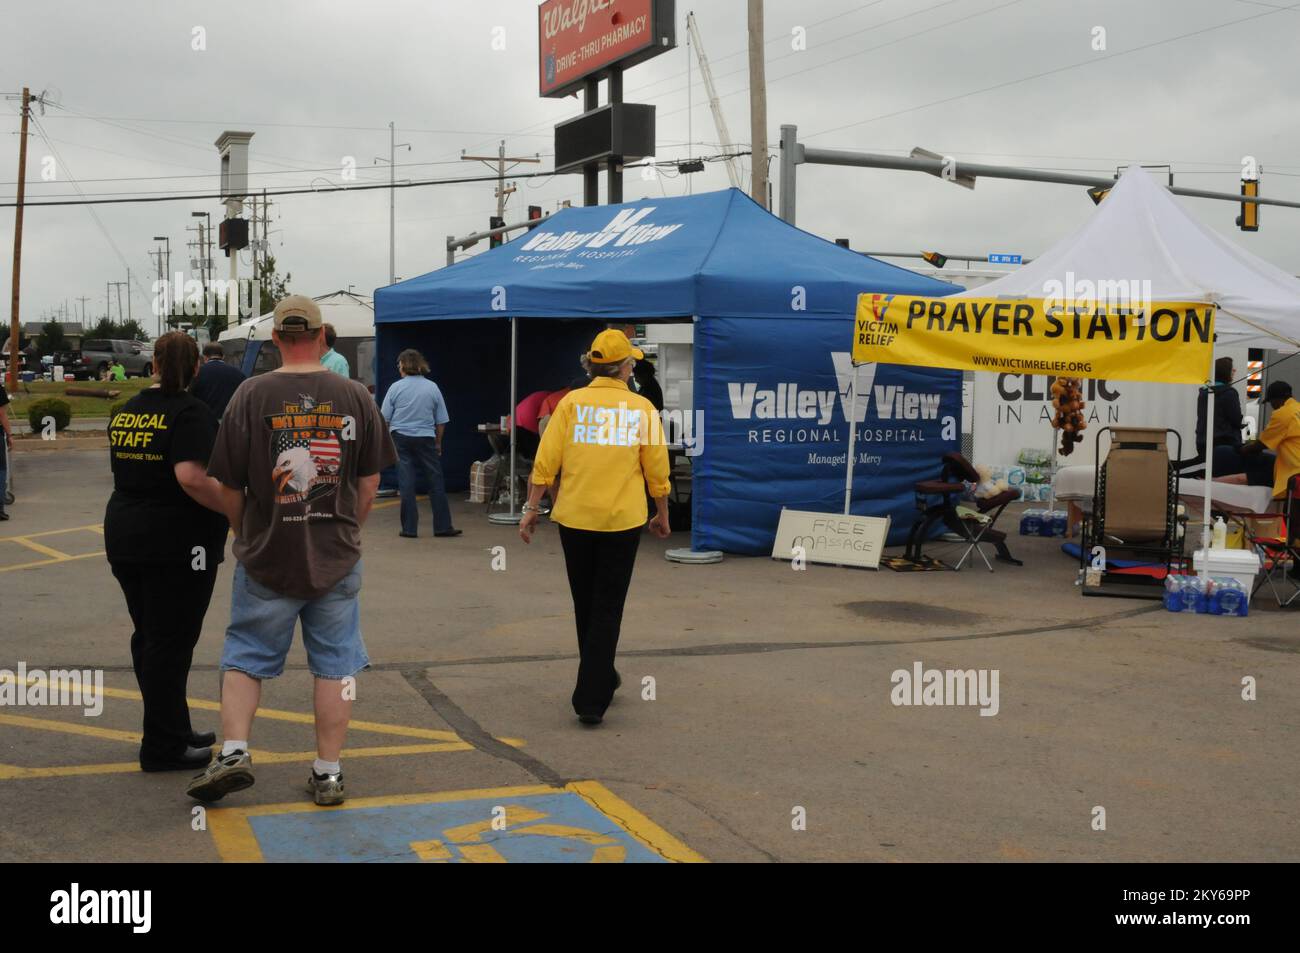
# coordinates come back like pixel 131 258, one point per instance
pixel 513 517
pixel 1209 463
pixel 853 434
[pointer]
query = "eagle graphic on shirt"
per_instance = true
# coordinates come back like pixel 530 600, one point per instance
pixel 307 447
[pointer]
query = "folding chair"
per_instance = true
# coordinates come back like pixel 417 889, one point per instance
pixel 974 531
pixel 1280 550
pixel 1134 510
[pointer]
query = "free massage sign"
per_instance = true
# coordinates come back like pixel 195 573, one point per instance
pixel 1165 341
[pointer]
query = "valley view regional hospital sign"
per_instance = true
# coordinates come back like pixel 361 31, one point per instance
pixel 1167 341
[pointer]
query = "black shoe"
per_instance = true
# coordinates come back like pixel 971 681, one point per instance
pixel 407 535
pixel 591 719
pixel 191 759
pixel 205 739
pixel 3 515
pixel 450 532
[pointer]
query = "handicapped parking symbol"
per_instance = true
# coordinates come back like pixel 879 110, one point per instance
pixel 466 842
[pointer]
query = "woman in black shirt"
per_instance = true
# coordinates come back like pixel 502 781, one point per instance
pixel 165 537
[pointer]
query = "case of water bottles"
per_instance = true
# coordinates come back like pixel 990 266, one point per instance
pixel 1209 595
pixel 1043 522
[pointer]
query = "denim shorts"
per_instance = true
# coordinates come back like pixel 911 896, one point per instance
pixel 262 623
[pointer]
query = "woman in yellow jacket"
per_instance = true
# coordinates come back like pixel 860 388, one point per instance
pixel 609 443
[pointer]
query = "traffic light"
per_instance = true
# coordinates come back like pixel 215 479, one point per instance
pixel 1248 220
pixel 494 241
pixel 842 242
pixel 934 258
pixel 534 215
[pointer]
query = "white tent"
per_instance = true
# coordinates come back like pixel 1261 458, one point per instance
pixel 1141 234
pixel 353 316
pixel 1140 245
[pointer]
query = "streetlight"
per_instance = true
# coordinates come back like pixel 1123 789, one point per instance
pixel 168 276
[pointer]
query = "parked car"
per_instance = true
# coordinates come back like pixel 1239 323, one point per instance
pixel 97 354
pixel 71 362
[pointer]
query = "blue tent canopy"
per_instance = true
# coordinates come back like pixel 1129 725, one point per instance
pixel 718 254
pixel 773 308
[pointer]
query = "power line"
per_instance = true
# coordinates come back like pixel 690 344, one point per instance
pixel 67 170
pixel 332 189
pixel 1051 72
pixel 277 125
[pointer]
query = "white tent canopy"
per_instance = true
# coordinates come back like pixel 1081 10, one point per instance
pixel 1138 234
pixel 353 315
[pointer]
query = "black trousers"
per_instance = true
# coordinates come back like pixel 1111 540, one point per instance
pixel 167 606
pixel 599 566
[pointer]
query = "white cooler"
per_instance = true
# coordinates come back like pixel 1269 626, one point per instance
pixel 1241 564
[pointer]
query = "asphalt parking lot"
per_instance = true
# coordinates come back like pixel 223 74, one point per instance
pixel 771 735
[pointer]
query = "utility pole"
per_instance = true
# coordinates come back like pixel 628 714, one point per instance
pixel 757 103
pixel 83 301
pixel 500 160
pixel 128 298
pixel 18 240
pixel 393 146
pixel 118 285
pixel 266 244
pixel 159 253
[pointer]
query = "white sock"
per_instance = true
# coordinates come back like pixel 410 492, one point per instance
pixel 325 767
pixel 230 747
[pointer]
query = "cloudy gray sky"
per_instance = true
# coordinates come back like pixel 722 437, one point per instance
pixel 1197 84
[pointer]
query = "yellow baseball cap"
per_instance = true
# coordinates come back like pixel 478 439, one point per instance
pixel 612 347
pixel 297 313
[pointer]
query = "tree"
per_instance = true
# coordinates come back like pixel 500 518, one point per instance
pixel 51 337
pixel 105 328
pixel 131 331
pixel 272 286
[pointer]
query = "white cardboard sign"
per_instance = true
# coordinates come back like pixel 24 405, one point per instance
pixel 831 538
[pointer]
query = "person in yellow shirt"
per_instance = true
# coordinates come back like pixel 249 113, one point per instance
pixel 610 444
pixel 1282 435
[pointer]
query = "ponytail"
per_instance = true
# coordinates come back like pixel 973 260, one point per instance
pixel 175 355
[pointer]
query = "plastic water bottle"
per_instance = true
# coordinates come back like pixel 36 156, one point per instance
pixel 1229 596
pixel 1060 520
pixel 1174 592
pixel 1220 534
pixel 1194 594
pixel 1031 522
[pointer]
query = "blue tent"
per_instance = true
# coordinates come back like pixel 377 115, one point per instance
pixel 773 310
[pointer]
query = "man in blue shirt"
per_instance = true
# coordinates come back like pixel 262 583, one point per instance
pixel 417 417
pixel 217 381
pixel 332 360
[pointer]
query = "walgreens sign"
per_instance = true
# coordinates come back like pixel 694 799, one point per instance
pixel 578 38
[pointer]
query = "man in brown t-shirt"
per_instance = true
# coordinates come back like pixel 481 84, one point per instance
pixel 298 455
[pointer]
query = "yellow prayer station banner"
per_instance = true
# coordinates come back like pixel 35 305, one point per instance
pixel 1166 341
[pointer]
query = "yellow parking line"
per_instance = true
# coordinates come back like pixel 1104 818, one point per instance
pixel 70 728
pixel 38 548
pixel 48 562
pixel 9 772
pixel 307 718
pixel 93 527
pixel 635 823
pixel 273 714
